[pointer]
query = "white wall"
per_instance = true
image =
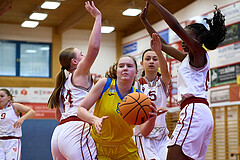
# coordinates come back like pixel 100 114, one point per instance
pixel 196 8
pixel 73 37
pixel 107 53
pixel 17 33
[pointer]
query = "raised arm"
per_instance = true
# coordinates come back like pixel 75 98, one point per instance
pixel 156 45
pixel 172 22
pixel 94 40
pixel 166 48
pixel 147 25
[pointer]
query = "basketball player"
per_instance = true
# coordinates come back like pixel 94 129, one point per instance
pixel 193 131
pixel 113 136
pixel 155 85
pixel 71 139
pixel 10 125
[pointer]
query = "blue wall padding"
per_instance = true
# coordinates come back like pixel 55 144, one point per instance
pixel 36 139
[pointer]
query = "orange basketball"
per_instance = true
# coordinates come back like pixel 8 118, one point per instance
pixel 135 109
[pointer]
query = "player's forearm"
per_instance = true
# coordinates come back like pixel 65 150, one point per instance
pixel 151 30
pixel 31 113
pixel 147 127
pixel 95 37
pixel 166 15
pixel 168 49
pixel 85 115
pixel 164 69
pixel 148 26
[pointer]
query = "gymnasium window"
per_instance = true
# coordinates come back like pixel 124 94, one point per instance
pixel 25 59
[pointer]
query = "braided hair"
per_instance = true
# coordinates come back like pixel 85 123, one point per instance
pixel 215 35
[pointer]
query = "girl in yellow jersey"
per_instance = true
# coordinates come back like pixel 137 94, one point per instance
pixel 112 135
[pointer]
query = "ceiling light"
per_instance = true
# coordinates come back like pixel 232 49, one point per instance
pixel 30 24
pixel 38 16
pixel 107 29
pixel 50 5
pixel 131 12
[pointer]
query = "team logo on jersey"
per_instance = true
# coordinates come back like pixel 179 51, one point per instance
pixel 118 110
pixel 111 90
pixel 179 121
pixel 15 149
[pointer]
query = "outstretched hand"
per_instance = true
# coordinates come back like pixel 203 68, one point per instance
pixel 156 111
pixel 156 44
pixel 92 9
pixel 98 124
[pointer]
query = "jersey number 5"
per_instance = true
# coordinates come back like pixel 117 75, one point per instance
pixel 152 95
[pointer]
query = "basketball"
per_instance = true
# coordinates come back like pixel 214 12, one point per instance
pixel 135 108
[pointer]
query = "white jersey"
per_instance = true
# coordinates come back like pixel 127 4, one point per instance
pixel 71 97
pixel 71 139
pixel 192 81
pixel 157 91
pixel 194 127
pixel 7 120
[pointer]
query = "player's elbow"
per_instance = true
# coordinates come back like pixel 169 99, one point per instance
pixel 33 113
pixel 79 112
pixel 145 133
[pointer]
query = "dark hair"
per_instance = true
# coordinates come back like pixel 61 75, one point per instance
pixel 8 93
pixel 143 72
pixel 112 71
pixel 65 58
pixel 215 35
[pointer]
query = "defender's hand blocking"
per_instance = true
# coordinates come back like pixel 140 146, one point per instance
pixel 92 9
pixel 156 44
pixel 156 111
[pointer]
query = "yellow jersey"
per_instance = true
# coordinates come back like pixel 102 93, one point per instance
pixel 114 130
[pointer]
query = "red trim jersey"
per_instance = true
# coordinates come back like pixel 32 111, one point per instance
pixel 192 81
pixel 7 120
pixel 71 97
pixel 157 91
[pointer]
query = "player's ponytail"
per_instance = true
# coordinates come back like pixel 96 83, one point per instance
pixel 215 35
pixel 217 30
pixel 53 101
pixel 65 58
